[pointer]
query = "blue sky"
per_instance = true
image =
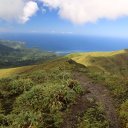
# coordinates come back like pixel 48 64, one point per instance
pixel 49 21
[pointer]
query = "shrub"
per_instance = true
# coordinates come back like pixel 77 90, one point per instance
pixel 124 113
pixel 3 120
pixel 94 118
pixel 39 76
pixel 44 103
pixel 20 85
pixel 73 84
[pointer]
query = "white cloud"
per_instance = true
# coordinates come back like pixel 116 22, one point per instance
pixel 77 11
pixel 10 9
pixel 18 10
pixel 83 11
pixel 29 10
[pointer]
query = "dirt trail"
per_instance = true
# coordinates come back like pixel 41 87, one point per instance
pixel 77 110
pixel 101 94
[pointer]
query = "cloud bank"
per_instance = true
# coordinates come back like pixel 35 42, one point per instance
pixel 17 10
pixel 77 11
pixel 84 11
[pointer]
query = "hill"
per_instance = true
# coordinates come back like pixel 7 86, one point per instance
pixel 14 54
pixel 13 44
pixel 13 71
pixel 111 70
pixel 67 92
pixel 107 62
pixel 4 49
pixel 46 93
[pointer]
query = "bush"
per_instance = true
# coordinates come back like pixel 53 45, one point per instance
pixel 20 85
pixel 37 99
pixel 44 103
pixel 73 84
pixel 3 120
pixel 94 117
pixel 124 113
pixel 39 76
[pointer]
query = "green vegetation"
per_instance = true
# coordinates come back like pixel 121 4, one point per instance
pixel 39 97
pixel 13 71
pixel 111 70
pixel 14 54
pixel 124 113
pixel 94 117
pixel 13 44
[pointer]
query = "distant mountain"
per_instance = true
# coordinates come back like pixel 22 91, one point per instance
pixel 13 44
pixel 16 54
pixel 5 49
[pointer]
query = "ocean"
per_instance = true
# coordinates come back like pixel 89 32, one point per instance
pixel 61 43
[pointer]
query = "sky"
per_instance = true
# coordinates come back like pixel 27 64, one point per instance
pixel 84 17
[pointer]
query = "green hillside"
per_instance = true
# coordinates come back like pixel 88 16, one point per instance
pixel 13 71
pixel 5 49
pixel 14 54
pixel 37 97
pixel 62 93
pixel 13 44
pixel 111 70
pixel 108 62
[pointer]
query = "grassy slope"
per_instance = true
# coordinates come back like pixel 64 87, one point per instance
pixel 13 71
pixel 101 65
pixel 109 62
pixel 28 69
pixel 40 96
pixel 110 69
pixel 91 58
